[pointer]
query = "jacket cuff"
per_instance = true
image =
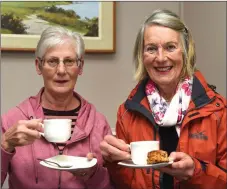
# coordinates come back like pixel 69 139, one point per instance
pixel 6 158
pixel 200 168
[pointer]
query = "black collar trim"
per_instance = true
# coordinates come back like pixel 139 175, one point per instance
pixel 199 95
pixel 135 105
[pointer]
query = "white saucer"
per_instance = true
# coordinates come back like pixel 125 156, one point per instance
pixel 77 162
pixel 130 164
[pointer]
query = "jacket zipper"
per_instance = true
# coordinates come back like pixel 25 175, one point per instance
pixel 161 180
pixel 153 184
pixel 155 131
pixel 60 152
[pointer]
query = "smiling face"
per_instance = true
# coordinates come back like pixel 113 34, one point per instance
pixel 163 57
pixel 59 80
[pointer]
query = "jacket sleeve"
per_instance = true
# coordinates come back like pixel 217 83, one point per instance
pixel 5 157
pixel 208 175
pixel 100 178
pixel 121 177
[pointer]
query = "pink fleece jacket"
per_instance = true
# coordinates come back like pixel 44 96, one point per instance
pixel 24 169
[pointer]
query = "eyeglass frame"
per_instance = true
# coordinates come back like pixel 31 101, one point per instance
pixel 43 60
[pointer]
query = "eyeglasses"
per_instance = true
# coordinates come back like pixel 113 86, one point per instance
pixel 68 62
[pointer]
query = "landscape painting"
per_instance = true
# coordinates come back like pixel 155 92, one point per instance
pixel 22 22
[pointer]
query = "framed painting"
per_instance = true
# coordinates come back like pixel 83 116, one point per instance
pixel 22 22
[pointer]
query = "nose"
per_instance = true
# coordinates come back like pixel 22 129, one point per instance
pixel 161 55
pixel 61 69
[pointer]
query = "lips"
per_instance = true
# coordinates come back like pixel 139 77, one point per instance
pixel 61 81
pixel 164 69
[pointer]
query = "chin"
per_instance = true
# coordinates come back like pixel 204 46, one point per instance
pixel 161 78
pixel 162 81
pixel 62 90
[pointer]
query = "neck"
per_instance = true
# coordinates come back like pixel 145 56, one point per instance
pixel 167 92
pixel 53 102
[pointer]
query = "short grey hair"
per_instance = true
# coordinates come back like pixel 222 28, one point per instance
pixel 53 36
pixel 170 20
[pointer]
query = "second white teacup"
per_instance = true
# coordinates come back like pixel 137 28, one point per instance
pixel 140 149
pixel 57 130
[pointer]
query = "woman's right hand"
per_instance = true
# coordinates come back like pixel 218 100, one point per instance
pixel 24 132
pixel 114 149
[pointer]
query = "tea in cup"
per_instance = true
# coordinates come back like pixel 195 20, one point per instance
pixel 56 130
pixel 140 149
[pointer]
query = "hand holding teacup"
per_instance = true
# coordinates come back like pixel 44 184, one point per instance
pixel 24 132
pixel 114 149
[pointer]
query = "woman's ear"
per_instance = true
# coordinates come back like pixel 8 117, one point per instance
pixel 38 66
pixel 81 67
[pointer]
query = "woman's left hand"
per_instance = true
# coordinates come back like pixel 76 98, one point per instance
pixel 86 173
pixel 182 168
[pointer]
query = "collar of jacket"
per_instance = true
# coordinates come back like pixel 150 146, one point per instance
pixel 36 100
pixel 202 95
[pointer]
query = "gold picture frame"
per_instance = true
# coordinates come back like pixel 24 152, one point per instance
pixel 104 43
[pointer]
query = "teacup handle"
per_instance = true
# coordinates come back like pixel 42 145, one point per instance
pixel 42 134
pixel 129 146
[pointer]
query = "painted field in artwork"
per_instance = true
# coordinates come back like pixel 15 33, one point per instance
pixel 33 17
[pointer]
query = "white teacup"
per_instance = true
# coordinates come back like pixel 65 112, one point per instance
pixel 57 130
pixel 140 149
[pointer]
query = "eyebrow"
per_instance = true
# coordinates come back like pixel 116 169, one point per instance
pixel 172 42
pixel 167 43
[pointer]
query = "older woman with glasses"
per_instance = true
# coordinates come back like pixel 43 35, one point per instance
pixel 59 60
pixel 173 104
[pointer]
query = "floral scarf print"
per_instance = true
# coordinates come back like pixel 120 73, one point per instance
pixel 169 114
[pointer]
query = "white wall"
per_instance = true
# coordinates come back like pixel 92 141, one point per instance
pixel 207 21
pixel 107 78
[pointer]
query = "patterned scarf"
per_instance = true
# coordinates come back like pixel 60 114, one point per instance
pixel 169 114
